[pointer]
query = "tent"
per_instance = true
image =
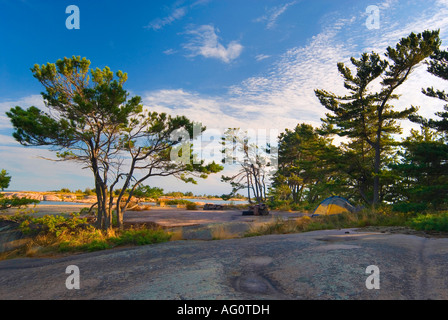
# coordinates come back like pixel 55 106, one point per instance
pixel 333 205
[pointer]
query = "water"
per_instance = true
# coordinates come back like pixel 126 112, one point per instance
pixel 59 203
pixel 216 201
pixel 204 201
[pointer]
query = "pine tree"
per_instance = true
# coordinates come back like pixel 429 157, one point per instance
pixel 366 116
pixel 94 122
pixel 307 165
pixel 438 66
pixel 422 172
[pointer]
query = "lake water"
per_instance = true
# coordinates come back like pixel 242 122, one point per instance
pixel 216 201
pixel 58 203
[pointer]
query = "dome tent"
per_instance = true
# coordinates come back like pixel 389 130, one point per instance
pixel 333 205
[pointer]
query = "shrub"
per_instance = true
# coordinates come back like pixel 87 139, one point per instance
pixel 430 222
pixel 53 224
pixel 92 240
pixel 175 202
pixel 89 192
pixel 141 237
pixel 73 234
pixel 407 207
pixel 192 206
pixel 7 203
pixel 277 204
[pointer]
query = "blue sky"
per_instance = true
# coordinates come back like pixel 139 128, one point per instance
pixel 249 64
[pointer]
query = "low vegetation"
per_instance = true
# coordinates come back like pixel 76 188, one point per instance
pixel 55 234
pixel 430 222
pixel 384 217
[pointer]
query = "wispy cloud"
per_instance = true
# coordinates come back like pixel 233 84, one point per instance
pixel 205 42
pixel 177 14
pixel 283 95
pixel 169 52
pixel 159 23
pixel 270 18
pixel 261 57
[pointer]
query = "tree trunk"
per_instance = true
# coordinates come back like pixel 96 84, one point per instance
pixel 104 216
pixel 376 178
pixel 248 188
pixel 120 223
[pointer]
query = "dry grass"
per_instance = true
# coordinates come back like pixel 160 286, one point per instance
pixel 360 219
pixel 222 233
pixel 177 234
pixel 280 226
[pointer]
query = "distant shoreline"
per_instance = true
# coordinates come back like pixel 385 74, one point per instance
pixel 55 196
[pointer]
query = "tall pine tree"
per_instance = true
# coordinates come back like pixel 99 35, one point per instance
pixel 366 116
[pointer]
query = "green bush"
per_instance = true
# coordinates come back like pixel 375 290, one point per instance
pixel 53 224
pixel 192 206
pixel 175 202
pixel 407 207
pixel 91 246
pixel 141 237
pixel 430 222
pixel 6 203
pixel 53 233
pixel 89 192
pixel 288 205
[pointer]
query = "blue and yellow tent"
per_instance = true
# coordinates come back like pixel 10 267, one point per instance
pixel 333 205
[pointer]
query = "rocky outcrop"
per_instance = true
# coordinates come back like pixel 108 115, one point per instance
pixel 20 195
pixel 69 197
pixel 89 199
pixel 51 197
pixel 11 238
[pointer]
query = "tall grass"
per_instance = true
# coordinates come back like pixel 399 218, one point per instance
pixel 221 233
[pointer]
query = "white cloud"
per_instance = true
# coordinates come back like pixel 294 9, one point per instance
pixel 261 57
pixel 205 42
pixel 169 52
pixel 433 17
pixel 177 14
pixel 273 14
pixel 284 95
pixel 159 23
pixel 277 99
